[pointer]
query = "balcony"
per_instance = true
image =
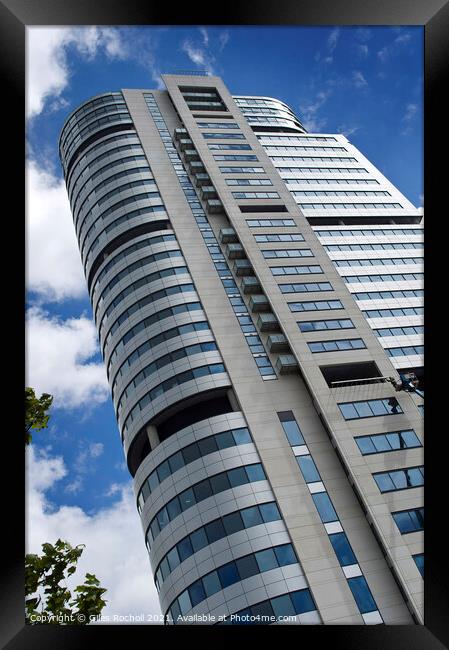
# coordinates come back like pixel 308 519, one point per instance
pixel 228 235
pixel 250 284
pixel 201 178
pixel 208 192
pixel 214 206
pixel 242 267
pixel 286 364
pixel 277 343
pixel 235 251
pixel 259 302
pixel 268 323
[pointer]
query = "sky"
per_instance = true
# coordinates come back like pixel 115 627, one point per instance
pixel 364 82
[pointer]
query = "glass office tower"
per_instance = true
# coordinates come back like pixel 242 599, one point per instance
pixel 278 474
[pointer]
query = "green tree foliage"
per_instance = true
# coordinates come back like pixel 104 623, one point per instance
pixel 55 604
pixel 35 412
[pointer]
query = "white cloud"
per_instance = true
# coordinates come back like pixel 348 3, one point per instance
pixel 358 79
pixel 408 118
pixel 333 39
pixel 114 543
pixel 58 354
pixel 198 56
pixel 48 71
pixel 394 48
pixel 223 40
pixel 309 112
pixel 205 36
pixel 347 130
pixel 363 50
pixel 53 268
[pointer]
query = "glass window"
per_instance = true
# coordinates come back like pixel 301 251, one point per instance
pixel 255 473
pixel 184 602
pixel 173 508
pixel 163 471
pixel 233 523
pixel 362 594
pixel 262 609
pixel 282 606
pixel 348 411
pixel 241 436
pixel 251 516
pixel 215 530
pixel 285 555
pixel 202 490
pixel 269 512
pixel 342 549
pixel 186 499
pixel 175 611
pixel 176 462
pixel 363 409
pixel 365 445
pixel 185 549
pixel 207 446
pixel 237 476
pixel 381 443
pixel 224 440
pixel 404 522
pixel 293 433
pixel 324 507
pixel 266 560
pixel 197 593
pixel 219 483
pixel 228 574
pixel 211 583
pixel 173 558
pixel 419 561
pixel 198 540
pixel 384 482
pixel 191 453
pixel 162 518
pixel 247 567
pixel 302 601
pixel 308 469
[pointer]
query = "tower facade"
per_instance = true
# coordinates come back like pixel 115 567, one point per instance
pixel 278 475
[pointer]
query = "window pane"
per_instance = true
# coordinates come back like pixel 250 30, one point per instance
pixel 348 411
pixel 419 561
pixel 191 453
pixel 324 507
pixel 283 606
pixel 251 516
pixel 366 445
pixel 237 476
pixel 384 482
pixel 184 602
pixel 186 499
pixel 342 549
pixel 404 522
pixel 198 539
pixel 207 446
pixel 247 567
pixel 410 438
pixel 173 558
pixel 233 523
pixel 362 594
pixel 269 512
pixel 215 530
pixel 202 490
pixel 308 469
pixel 219 483
pixel 400 479
pixel 363 410
pixel 414 477
pixel 255 473
pixel 163 471
pixel 228 574
pixel 381 443
pixel 185 549
pixel 197 593
pixel 211 583
pixel 176 461
pixel 241 436
pixel 302 601
pixel 285 555
pixel 225 440
pixel 293 433
pixel 266 560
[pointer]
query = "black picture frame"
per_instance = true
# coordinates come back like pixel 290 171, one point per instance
pixel 433 15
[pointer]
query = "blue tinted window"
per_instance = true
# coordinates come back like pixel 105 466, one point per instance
pixel 176 461
pixel 211 583
pixel 342 549
pixel 419 561
pixel 251 516
pixel 241 436
pixel 228 574
pixel 362 594
pixel 269 512
pixel 186 499
pixel 302 601
pixel 215 530
pixel 196 593
pixel 233 523
pixel 282 606
pixel 255 473
pixel 163 471
pixel 285 555
pixel 198 539
pixel 308 469
pixel 202 490
pixel 185 549
pixel 173 558
pixel 173 508
pixel 293 433
pixel 266 560
pixel 237 476
pixel 225 440
pixel 247 567
pixel 324 507
pixel 184 602
pixel 219 483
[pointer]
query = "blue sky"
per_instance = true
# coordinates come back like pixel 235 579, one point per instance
pixel 364 82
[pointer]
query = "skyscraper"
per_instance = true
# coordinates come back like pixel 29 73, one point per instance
pixel 276 469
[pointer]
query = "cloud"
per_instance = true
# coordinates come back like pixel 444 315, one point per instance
pixel 362 50
pixel 223 39
pixel 198 56
pixel 205 36
pixel 347 130
pixel 394 48
pixel 309 112
pixel 333 39
pixel 362 34
pixel 408 118
pixel 48 70
pixel 53 268
pixel 359 80
pixel 59 362
pixel 114 544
